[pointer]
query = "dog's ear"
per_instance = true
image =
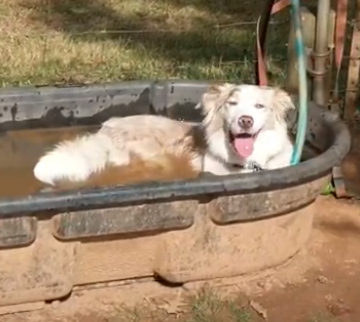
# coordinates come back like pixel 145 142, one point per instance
pixel 215 96
pixel 282 103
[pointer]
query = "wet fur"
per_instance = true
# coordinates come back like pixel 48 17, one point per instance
pixel 156 141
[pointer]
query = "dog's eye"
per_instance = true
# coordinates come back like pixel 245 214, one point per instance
pixel 232 103
pixel 259 106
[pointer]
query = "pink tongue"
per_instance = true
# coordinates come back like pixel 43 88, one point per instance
pixel 244 146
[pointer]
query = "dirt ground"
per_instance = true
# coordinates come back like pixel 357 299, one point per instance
pixel 331 290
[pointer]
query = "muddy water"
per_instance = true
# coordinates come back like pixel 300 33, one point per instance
pixel 20 150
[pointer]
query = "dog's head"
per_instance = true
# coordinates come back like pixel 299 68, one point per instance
pixel 244 110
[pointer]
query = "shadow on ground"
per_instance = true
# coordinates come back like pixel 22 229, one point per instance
pixel 162 34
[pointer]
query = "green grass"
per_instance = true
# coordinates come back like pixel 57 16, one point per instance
pixel 86 41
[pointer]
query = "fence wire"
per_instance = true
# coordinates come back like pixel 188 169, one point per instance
pixel 73 52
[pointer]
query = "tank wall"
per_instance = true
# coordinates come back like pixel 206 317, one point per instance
pixel 211 243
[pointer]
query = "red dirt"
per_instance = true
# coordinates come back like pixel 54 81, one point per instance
pixel 333 290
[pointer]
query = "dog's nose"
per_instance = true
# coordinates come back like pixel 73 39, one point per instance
pixel 246 121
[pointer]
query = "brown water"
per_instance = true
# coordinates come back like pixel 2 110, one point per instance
pixel 20 150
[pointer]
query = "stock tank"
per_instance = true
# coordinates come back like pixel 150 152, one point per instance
pixel 52 244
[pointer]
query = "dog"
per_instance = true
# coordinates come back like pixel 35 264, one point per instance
pixel 244 129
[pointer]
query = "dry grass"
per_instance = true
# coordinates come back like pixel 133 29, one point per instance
pixel 86 41
pixel 207 306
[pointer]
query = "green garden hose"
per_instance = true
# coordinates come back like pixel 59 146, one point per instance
pixel 303 95
pixel 301 67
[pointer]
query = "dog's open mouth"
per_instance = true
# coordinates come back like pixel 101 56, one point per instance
pixel 243 144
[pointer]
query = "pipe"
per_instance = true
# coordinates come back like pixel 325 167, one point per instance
pixel 264 24
pixel 321 52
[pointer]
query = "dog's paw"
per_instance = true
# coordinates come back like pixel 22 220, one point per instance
pixel 253 166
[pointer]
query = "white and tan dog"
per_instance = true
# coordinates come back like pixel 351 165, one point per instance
pixel 244 129
pixel 246 125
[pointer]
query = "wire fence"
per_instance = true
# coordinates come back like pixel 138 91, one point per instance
pixel 210 52
pixel 76 50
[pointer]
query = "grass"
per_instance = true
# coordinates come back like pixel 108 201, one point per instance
pixel 88 41
pixel 209 306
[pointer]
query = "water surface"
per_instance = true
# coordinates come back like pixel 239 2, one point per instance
pixel 20 150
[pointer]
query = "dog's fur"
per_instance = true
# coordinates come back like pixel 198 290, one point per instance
pixel 209 147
